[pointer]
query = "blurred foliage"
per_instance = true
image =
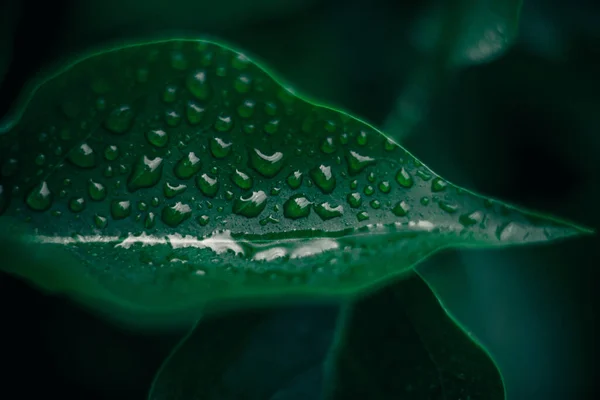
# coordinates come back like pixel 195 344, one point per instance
pixel 523 127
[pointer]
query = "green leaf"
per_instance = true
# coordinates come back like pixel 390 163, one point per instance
pixel 161 177
pixel 400 344
pixel 257 354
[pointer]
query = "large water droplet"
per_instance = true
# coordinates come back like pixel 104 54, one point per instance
pixel 219 147
pixel 96 190
pixel 404 178
pixel 83 156
pixel 241 179
pixel 354 199
pixel 401 209
pixel 120 119
pixel 357 162
pixel 120 209
pixel 326 211
pixel 208 185
pixel 171 190
pixel 251 205
pixel 295 179
pixel 194 113
pixel 146 173
pixel 197 84
pixel 157 137
pixel 40 197
pixel 266 165
pixel 297 206
pixel 323 178
pixel 188 166
pixel 175 214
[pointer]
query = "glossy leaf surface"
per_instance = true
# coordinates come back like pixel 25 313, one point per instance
pixel 168 175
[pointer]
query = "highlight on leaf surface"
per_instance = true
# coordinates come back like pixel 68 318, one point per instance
pixel 170 174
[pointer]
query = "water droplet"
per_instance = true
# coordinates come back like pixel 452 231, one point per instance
pixel 241 179
pixel 83 156
pixel 425 200
pixel 145 173
pixel 155 202
pixel 228 195
pixel 326 211
pixel 371 177
pixel 157 137
pixel 328 145
pixel 375 204
pixel 424 175
pixel 361 138
pixel 369 190
pixel 219 148
pixel 448 207
pixel 224 123
pixel 100 221
pixel 438 184
pixel 194 113
pixel 250 206
pixel 471 219
pixel 353 184
pixel 172 118
pixel 40 160
pixel 188 166
pixel 246 109
pixel 120 209
pixel 172 190
pixel 385 187
pixel 266 165
pixel 295 179
pixel 401 209
pixel 108 171
pixel 362 216
pixel 197 84
pixel 404 178
pixel 357 162
pixel 100 104
pixel 208 185
pixel 243 83
pixel 203 220
pixel 169 94
pixel 389 145
pixel 150 220
pixel 297 206
pixel 323 178
pixel 344 138
pixel 96 190
pixel 142 206
pixel 111 153
pixel 249 128
pixel 120 119
pixel 272 126
pixel 354 199
pixel 77 204
pixel 175 214
pixel 40 197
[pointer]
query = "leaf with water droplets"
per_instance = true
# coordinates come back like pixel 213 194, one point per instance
pixel 182 184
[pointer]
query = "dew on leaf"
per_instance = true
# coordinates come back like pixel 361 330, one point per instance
pixel 323 178
pixel 146 172
pixel 198 85
pixel 425 200
pixel 82 156
pixel 385 187
pixel 265 164
pixel 376 204
pixel 175 214
pixel 294 180
pixel 470 219
pixel 120 209
pixel 241 179
pixel 208 185
pixel 157 137
pixel 401 209
pixel 96 190
pixel 150 220
pixel 100 221
pixel 448 207
pixel 438 185
pixel 326 211
pixel 328 145
pixel 111 152
pixel 251 205
pixel 361 138
pixel 172 118
pixel 219 147
pixel 224 122
pixel 77 204
pixel 203 220
pixel 40 197
pixel 169 94
pixel 187 166
pixel 357 162
pixel 297 206
pixel 369 190
pixel 423 175
pixel 354 199
pixel 246 109
pixel 171 190
pixel 243 83
pixel 404 178
pixel 362 216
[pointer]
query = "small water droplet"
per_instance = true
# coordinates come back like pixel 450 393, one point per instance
pixel 251 205
pixel 83 156
pixel 150 220
pixel 40 197
pixel 388 145
pixel 241 179
pixel 424 175
pixel 40 160
pixel 425 200
pixel 368 190
pixel 157 137
pixel 375 204
pixel 96 190
pixel 297 206
pixel 438 185
pixel 145 173
pixel 323 178
pixel 142 206
pixel 208 185
pixel 385 187
pixel 224 122
pixel 197 84
pixel 471 219
pixel 271 108
pixel 77 204
pixel 328 145
pixel 172 118
pixel 362 216
pixel 203 220
pixel 178 60
pixel 246 109
pixel 219 147
pixel 194 113
pixel 326 211
pixel 272 126
pixel 448 207
pixel 120 119
pixel 266 165
pixel 172 190
pixel 175 214
pixel 111 152
pixel 404 178
pixel 354 199
pixel 188 166
pixel 120 209
pixel 357 162
pixel 294 180
pixel 401 209
pixel 169 94
pixel 371 177
pixel 275 191
pixel 361 138
pixel 108 172
pixel 243 83
pixel 100 221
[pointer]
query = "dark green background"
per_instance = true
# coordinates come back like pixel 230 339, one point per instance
pixel 524 128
